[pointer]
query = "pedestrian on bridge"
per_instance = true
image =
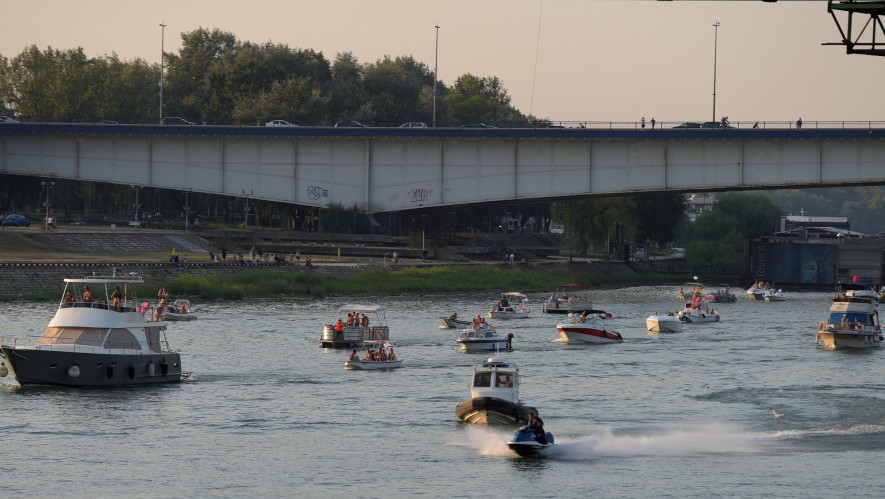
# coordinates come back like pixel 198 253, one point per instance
pixel 643 122
pixel 799 124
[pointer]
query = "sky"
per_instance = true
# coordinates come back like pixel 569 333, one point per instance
pixel 564 60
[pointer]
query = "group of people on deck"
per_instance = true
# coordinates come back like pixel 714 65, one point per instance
pixel 374 355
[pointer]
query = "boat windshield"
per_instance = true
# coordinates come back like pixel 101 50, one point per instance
pixel 482 379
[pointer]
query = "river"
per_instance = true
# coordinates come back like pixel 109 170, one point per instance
pixel 270 414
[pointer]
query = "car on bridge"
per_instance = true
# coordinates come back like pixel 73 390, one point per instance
pixel 281 123
pixel 414 124
pixel 689 124
pixel 349 124
pixel 477 125
pixel 715 124
pixel 175 120
pixel 7 119
pixel 16 220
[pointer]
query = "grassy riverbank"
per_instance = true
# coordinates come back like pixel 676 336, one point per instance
pixel 379 281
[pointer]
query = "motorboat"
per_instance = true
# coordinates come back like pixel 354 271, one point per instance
pixel 593 326
pixel 481 336
pixel 530 441
pixel 90 342
pixel 453 322
pixel 494 395
pixel 757 291
pixel 861 289
pixel 774 295
pixel 723 296
pixel 853 323
pixel 370 326
pixel 697 312
pixel 663 323
pixel 180 310
pixel 512 305
pixel 367 364
pixel 568 299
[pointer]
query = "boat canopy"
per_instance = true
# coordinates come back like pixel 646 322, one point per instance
pixel 513 294
pixel 361 309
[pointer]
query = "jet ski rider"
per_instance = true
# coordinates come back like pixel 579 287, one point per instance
pixel 536 424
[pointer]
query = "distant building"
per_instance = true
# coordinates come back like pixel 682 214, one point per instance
pixel 790 223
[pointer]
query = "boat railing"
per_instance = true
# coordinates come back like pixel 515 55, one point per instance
pixel 81 345
pixel 151 313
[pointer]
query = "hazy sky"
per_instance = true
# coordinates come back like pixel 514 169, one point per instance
pixel 592 60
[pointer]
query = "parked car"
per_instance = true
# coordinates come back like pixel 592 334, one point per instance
pixel 108 122
pixel 283 123
pixel 7 119
pixel 174 120
pixel 414 124
pixel 476 125
pixel 349 124
pixel 16 220
pixel 688 124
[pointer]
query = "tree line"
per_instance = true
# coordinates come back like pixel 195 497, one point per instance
pixel 220 79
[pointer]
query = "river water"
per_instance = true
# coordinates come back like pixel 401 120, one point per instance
pixel 268 413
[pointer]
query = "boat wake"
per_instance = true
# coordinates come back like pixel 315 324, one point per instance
pixel 698 441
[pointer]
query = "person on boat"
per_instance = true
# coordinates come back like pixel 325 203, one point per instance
pixel 856 324
pixel 390 355
pixel 364 321
pixel 453 316
pixel 69 297
pixel 856 278
pixel 381 356
pixel 536 425
pixel 370 355
pixel 88 294
pixel 353 356
pixel 116 295
pixel 844 320
pixel 509 341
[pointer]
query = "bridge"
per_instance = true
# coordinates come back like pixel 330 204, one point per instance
pixel 392 169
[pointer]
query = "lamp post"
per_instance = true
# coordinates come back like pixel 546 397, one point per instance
pixel 246 211
pixel 162 57
pixel 435 74
pixel 715 50
pixel 48 186
pixel 136 206
pixel 187 207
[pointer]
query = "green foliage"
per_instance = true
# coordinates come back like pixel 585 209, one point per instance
pixel 377 280
pixel 716 238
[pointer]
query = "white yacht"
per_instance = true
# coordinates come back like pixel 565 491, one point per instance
pixel 494 395
pixel 90 342
pixel 853 323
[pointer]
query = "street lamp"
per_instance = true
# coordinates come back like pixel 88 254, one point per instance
pixel 48 186
pixel 435 74
pixel 136 206
pixel 162 56
pixel 715 50
pixel 251 191
pixel 186 208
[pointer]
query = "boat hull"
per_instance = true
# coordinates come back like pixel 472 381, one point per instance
pixel 179 317
pixel 368 365
pixel 54 367
pixel 699 318
pixel 491 410
pixel 505 315
pixel 453 323
pixel 587 335
pixel 670 325
pixel 484 344
pixel 832 339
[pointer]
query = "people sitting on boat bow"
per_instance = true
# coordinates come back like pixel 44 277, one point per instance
pixel 390 355
pixel 353 356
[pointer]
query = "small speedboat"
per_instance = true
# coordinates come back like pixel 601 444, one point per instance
pixel 529 441
pixel 595 328
pixel 723 296
pixel 453 322
pixel 481 337
pixel 179 311
pixel 370 365
pixel 698 314
pixel 774 295
pixel 512 305
pixel 663 323
pixel 494 395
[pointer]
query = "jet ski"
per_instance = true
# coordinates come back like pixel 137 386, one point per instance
pixel 531 441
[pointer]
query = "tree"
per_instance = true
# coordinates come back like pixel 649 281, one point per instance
pixel 474 99
pixel 657 216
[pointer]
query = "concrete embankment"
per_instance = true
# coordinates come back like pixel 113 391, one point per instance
pixel 18 279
